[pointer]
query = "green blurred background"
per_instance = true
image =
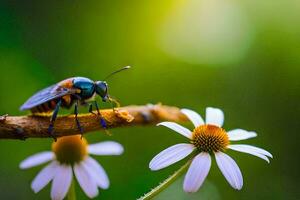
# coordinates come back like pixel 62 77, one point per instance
pixel 241 56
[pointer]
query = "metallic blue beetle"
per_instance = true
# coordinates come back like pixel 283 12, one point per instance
pixel 76 90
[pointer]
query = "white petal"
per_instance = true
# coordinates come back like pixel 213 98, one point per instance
pixel 44 177
pixel 251 150
pixel 61 182
pixel 170 155
pixel 245 150
pixel 178 128
pixel 240 134
pixel 36 159
pixel 197 172
pixel 97 172
pixel 195 118
pixel 106 148
pixel 230 170
pixel 214 116
pixel 86 182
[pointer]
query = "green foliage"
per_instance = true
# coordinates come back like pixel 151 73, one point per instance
pixel 43 42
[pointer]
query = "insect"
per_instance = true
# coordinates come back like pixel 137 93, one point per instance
pixel 77 91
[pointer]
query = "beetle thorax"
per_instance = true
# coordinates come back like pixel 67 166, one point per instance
pixel 86 87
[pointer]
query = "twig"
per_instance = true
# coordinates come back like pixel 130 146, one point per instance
pixel 36 126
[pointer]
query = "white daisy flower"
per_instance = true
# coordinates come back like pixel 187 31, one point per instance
pixel 70 153
pixel 207 139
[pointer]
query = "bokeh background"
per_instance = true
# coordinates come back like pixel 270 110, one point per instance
pixel 241 56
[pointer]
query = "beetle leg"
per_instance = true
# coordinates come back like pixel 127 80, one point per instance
pixel 76 118
pixel 102 121
pixel 91 109
pixel 112 102
pixel 53 118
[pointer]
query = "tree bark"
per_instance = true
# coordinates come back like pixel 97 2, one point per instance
pixel 36 126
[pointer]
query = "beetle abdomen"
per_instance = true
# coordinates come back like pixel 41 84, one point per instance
pixel 49 106
pixel 45 107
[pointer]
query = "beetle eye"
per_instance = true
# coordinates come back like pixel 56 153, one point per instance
pixel 101 88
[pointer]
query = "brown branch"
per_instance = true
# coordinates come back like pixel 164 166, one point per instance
pixel 22 127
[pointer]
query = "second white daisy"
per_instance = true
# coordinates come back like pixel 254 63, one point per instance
pixel 208 138
pixel 71 152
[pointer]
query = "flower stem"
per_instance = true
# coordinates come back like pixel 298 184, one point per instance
pixel 71 193
pixel 162 186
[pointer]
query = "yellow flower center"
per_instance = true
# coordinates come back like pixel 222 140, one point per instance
pixel 70 149
pixel 210 138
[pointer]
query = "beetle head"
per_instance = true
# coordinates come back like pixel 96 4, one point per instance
pixel 101 90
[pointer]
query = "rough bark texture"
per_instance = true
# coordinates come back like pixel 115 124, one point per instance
pixel 22 127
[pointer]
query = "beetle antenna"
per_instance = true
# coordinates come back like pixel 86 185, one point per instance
pixel 117 71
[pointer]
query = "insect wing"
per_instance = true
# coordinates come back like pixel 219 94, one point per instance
pixel 46 95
